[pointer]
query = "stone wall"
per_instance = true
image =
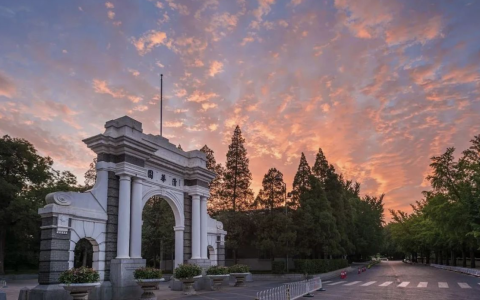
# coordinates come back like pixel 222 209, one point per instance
pixel 112 222
pixel 187 234
pixel 54 252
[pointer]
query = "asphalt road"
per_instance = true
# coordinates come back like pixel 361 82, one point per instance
pixel 398 281
pixel 387 280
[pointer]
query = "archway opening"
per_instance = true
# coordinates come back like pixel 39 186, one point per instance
pixel 212 256
pixel 83 254
pixel 158 236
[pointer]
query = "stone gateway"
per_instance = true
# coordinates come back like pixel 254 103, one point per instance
pixel 131 168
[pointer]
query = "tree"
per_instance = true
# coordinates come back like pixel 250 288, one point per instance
pixel 158 238
pixel 301 182
pixel 335 194
pixel 237 178
pixel 317 232
pixel 272 194
pixel 91 174
pixel 21 169
pixel 215 201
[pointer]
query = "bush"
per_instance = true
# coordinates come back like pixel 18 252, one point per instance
pixel 317 266
pixel 187 271
pixel 278 267
pixel 147 273
pixel 79 275
pixel 239 269
pixel 217 270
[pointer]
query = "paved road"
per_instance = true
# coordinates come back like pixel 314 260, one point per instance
pixel 398 281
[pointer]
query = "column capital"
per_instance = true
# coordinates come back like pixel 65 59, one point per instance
pixel 125 177
pixel 195 196
pixel 137 179
pixel 203 198
pixel 178 228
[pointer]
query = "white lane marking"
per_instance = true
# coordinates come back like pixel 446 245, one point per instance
pixel 386 283
pixel 370 283
pixel 443 285
pixel 404 284
pixel 338 282
pixel 422 285
pixel 353 282
pixel 326 281
pixel 464 285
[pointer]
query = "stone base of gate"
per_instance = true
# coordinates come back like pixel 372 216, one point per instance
pixel 48 292
pixel 121 271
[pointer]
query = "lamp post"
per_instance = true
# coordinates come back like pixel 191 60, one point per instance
pixel 280 178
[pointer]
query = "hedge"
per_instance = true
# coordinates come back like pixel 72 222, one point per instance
pixel 317 266
pixel 278 267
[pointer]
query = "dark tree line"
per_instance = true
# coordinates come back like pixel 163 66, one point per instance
pixel 325 217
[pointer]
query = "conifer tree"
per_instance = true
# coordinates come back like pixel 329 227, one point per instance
pixel 317 232
pixel 237 177
pixel 301 181
pixel 215 201
pixel 335 193
pixel 272 194
pixel 320 168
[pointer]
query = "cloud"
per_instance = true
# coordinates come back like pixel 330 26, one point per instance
pixel 101 87
pixel 7 87
pixel 200 96
pixel 109 5
pixel 134 72
pixel 148 41
pixel 111 14
pixel 215 68
pixel 264 7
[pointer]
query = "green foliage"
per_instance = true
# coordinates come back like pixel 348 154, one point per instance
pixel 317 266
pixel 278 267
pixel 25 179
pixel 215 201
pixel 158 237
pixel 446 221
pixel 79 275
pixel 147 273
pixel 301 182
pixel 239 269
pixel 237 178
pixel 217 270
pixel 272 194
pixel 187 271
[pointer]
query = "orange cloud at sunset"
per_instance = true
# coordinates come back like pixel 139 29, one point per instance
pixel 380 86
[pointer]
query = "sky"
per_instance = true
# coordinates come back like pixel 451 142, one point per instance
pixel 380 86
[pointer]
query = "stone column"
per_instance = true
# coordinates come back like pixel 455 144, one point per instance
pixel 196 227
pixel 178 245
pixel 203 228
pixel 136 220
pixel 123 237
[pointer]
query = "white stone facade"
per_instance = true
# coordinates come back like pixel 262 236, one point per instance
pixel 146 166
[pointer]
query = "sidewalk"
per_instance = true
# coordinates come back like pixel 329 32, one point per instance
pixel 164 292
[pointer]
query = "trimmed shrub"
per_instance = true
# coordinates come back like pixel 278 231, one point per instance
pixel 239 269
pixel 317 266
pixel 79 275
pixel 278 267
pixel 187 271
pixel 217 270
pixel 147 273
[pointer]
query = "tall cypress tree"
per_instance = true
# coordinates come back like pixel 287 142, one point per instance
pixel 333 187
pixel 215 201
pixel 237 177
pixel 272 194
pixel 301 181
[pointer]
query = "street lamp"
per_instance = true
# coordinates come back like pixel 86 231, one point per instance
pixel 280 178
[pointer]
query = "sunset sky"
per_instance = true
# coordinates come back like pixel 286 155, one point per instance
pixel 380 86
